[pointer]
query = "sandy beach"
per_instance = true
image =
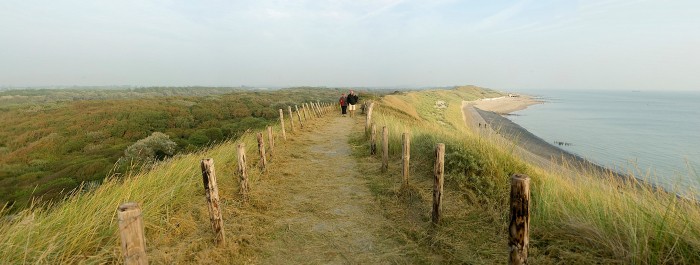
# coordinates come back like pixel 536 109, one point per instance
pixel 507 104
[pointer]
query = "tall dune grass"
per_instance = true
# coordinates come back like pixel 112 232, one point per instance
pixel 577 216
pixel 83 228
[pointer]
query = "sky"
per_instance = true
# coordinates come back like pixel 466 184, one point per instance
pixel 522 44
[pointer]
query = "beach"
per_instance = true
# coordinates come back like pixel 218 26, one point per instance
pixel 506 104
pixel 486 118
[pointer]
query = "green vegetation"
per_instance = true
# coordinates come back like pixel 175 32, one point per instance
pixel 52 140
pixel 576 217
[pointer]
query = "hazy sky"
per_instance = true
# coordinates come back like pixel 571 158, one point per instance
pixel 598 44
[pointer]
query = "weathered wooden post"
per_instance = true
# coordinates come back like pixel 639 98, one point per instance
pixel 369 117
pixel 284 134
pixel 303 107
pixel 385 149
pixel 318 106
pixel 291 119
pixel 131 231
pixel 301 124
pixel 406 156
pixel 270 140
pixel 312 112
pixel 519 236
pixel 373 140
pixel 438 180
pixel 211 189
pixel 318 109
pixel 261 149
pixel 242 172
pixel 312 107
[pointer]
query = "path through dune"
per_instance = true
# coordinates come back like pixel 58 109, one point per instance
pixel 325 212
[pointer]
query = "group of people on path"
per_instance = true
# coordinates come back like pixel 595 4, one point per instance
pixel 347 103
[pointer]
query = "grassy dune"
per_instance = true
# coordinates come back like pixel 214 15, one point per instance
pixel 577 218
pixel 83 228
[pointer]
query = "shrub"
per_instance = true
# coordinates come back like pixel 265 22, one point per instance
pixel 198 139
pixel 467 169
pixel 157 146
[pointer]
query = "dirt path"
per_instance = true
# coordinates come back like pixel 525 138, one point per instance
pixel 325 214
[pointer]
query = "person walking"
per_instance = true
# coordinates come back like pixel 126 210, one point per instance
pixel 343 104
pixel 352 99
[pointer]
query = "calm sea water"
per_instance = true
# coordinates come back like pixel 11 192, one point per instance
pixel 652 135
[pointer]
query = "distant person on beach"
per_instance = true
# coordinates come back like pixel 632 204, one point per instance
pixel 352 101
pixel 343 104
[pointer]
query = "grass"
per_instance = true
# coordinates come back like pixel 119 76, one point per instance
pixel 577 217
pixel 83 227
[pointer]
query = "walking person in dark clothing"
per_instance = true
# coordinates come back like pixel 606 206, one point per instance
pixel 352 99
pixel 343 104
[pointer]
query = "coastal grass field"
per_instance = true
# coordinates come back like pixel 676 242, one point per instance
pixel 576 217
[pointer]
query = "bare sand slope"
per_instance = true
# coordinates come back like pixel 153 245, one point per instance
pixel 325 213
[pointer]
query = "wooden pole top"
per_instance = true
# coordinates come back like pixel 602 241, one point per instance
pixel 521 177
pixel 129 206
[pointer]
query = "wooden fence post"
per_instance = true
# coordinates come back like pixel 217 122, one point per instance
pixel 318 105
pixel 312 110
pixel 131 231
pixel 243 172
pixel 301 124
pixel 385 149
pixel 519 236
pixel 211 190
pixel 406 156
pixel 439 179
pixel 261 149
pixel 318 110
pixel 270 140
pixel 291 119
pixel 373 140
pixel 284 134
pixel 369 116
pixel 306 116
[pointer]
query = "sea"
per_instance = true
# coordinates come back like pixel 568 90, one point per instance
pixel 652 135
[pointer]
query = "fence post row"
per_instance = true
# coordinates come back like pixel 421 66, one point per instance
pixel 406 154
pixel 438 181
pixel 301 124
pixel 312 109
pixel 243 172
pixel 261 150
pixel 385 149
pixel 131 232
pixel 519 228
pixel 211 190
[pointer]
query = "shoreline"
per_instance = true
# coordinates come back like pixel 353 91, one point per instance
pixel 488 119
